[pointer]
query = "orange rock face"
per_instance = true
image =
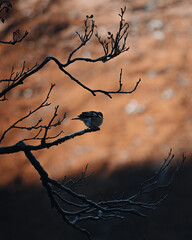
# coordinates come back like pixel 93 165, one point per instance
pixel 137 127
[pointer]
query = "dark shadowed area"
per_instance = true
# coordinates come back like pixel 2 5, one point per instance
pixel 26 212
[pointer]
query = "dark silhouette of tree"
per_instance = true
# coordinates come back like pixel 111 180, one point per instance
pixel 75 207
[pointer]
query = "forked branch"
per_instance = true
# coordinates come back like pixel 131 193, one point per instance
pixel 76 208
pixel 16 38
pixel 113 46
pixel 31 112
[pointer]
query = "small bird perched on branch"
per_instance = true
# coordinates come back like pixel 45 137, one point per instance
pixel 91 119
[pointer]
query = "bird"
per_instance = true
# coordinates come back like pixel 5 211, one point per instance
pixel 91 119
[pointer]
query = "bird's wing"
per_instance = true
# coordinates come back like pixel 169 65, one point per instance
pixel 86 114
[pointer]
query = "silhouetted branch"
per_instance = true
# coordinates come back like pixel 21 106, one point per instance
pixel 19 148
pixel 42 105
pixel 88 33
pixel 60 65
pixel 112 48
pixel 16 38
pixel 6 6
pixel 115 45
pixel 76 208
pixel 78 183
pixel 14 80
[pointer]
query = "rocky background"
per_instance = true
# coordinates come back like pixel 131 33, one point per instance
pixel 138 130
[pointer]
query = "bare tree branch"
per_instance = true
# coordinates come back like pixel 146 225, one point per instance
pixel 19 148
pixel 76 208
pixel 16 38
pixel 112 48
pixel 14 80
pixel 60 65
pixel 6 6
pixel 42 105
